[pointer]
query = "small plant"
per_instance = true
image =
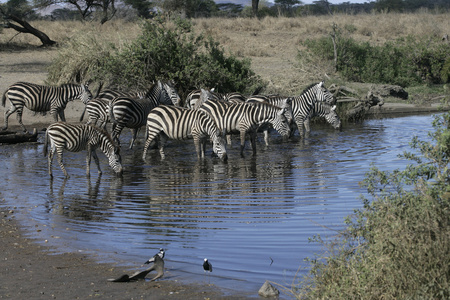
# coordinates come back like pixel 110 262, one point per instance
pixel 397 245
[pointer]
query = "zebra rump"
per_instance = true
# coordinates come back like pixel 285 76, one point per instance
pixel 170 122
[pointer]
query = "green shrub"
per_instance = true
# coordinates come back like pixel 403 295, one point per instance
pixel 405 62
pixel 167 51
pixel 164 51
pixel 397 246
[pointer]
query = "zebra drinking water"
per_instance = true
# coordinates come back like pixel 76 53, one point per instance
pixel 75 138
pixel 324 110
pixel 303 105
pixel 246 119
pixel 40 98
pixel 181 123
pixel 132 113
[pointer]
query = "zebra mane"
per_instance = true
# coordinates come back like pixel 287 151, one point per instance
pixel 309 87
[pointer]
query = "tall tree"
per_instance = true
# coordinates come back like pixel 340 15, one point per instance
pixel 255 4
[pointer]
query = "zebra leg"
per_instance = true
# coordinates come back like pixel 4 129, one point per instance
pixel 19 119
pixel 134 135
pixel 50 160
pixel 162 142
pixel 242 143
pixel 8 112
pixel 253 142
pixel 300 127
pixel 116 130
pixel 59 154
pixel 266 136
pixel 97 162
pixel 199 148
pixel 307 125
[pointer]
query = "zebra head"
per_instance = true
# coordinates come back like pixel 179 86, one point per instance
pixel 115 161
pixel 172 93
pixel 333 118
pixel 323 94
pixel 86 94
pixel 219 146
pixel 281 124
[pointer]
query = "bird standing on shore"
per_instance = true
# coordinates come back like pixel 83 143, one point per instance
pixel 207 267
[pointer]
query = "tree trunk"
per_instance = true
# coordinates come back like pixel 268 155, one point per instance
pixel 27 28
pixel 255 7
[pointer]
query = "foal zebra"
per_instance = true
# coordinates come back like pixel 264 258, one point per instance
pixel 42 99
pixel 181 123
pixel 75 138
pixel 132 113
pixel 246 119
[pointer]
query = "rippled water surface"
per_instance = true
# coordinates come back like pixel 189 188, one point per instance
pixel 251 217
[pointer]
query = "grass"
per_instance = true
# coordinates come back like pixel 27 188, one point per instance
pixel 272 44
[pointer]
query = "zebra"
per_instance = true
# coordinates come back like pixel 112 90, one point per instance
pixel 325 110
pixel 303 105
pixel 40 98
pixel 75 138
pixel 132 113
pixel 97 108
pixel 283 102
pixel 246 119
pixel 182 123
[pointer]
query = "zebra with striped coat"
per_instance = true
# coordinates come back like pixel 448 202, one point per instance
pixel 323 110
pixel 195 99
pixel 75 138
pixel 283 102
pixel 178 123
pixel 132 113
pixel 303 105
pixel 246 119
pixel 40 98
pixel 98 108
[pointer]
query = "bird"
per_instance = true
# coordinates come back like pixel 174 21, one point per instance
pixel 158 266
pixel 161 254
pixel 207 267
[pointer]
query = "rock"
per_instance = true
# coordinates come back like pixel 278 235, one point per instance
pixel 268 290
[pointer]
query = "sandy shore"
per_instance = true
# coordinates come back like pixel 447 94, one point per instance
pixel 31 271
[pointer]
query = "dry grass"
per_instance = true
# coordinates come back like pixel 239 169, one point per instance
pixel 271 43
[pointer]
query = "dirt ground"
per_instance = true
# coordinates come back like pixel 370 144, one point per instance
pixel 31 271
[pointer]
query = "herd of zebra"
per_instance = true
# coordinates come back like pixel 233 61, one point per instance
pixel 205 116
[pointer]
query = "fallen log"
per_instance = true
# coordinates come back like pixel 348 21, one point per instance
pixel 10 137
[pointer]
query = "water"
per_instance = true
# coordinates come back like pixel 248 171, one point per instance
pixel 251 217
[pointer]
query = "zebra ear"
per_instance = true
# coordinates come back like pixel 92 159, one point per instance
pixel 333 107
pixel 289 100
pixel 321 84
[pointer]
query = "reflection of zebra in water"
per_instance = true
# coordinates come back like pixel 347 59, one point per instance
pixel 246 119
pixel 181 123
pixel 303 105
pixel 132 113
pixel 42 99
pixel 75 138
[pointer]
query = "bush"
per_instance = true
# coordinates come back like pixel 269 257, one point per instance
pixel 164 51
pixel 405 62
pixel 397 245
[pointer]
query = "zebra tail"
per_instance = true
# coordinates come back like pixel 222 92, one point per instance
pixel 46 142
pixel 82 114
pixel 4 98
pixel 111 113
